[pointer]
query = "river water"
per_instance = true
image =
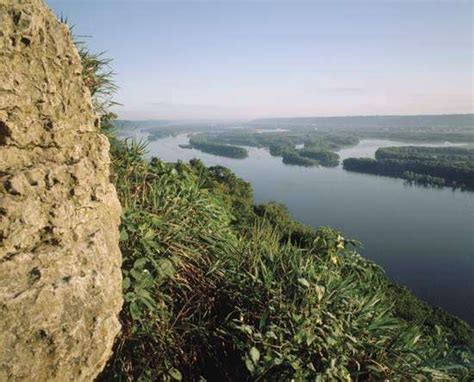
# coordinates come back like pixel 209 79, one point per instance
pixel 422 237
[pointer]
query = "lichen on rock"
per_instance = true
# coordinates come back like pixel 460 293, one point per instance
pixel 60 277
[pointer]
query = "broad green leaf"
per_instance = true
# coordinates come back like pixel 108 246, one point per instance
pixel 123 235
pixel 254 354
pixel 175 374
pixel 304 282
pixel 135 310
pixel 249 365
pixel 125 283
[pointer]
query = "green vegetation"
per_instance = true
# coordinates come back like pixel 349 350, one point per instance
pixel 411 309
pixel 277 150
pixel 293 157
pixel 246 137
pixel 306 157
pixel 201 143
pixel 218 289
pixel 318 147
pixel 426 180
pixel 325 158
pixel 438 166
pixel 329 142
pixel 289 139
pixel 452 154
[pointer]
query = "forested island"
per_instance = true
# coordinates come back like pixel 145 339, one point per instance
pixel 293 157
pixel 436 166
pixel 306 157
pixel 318 148
pixel 324 157
pixel 200 142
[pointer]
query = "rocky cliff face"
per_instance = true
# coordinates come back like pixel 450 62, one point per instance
pixel 60 278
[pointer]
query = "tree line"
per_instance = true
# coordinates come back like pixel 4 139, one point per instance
pixel 450 166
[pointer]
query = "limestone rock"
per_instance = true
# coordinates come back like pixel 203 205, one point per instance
pixel 60 278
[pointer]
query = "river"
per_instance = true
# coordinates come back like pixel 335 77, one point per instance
pixel 422 237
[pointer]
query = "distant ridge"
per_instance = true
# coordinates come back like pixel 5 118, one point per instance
pixel 375 121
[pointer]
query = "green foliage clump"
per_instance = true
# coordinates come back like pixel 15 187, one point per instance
pixel 324 157
pixel 235 192
pixel 98 78
pixel 452 154
pixel 225 150
pixel 428 180
pixel 437 166
pixel 413 310
pixel 171 230
pixel 292 157
pixel 278 150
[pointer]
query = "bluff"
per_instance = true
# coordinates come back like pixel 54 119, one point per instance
pixel 60 277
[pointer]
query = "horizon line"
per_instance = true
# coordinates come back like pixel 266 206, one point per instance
pixel 295 117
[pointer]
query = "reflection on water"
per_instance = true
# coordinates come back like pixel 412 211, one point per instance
pixel 423 237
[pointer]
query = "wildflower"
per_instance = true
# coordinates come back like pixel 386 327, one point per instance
pixel 340 242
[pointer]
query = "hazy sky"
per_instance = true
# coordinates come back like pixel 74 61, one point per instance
pixel 188 60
